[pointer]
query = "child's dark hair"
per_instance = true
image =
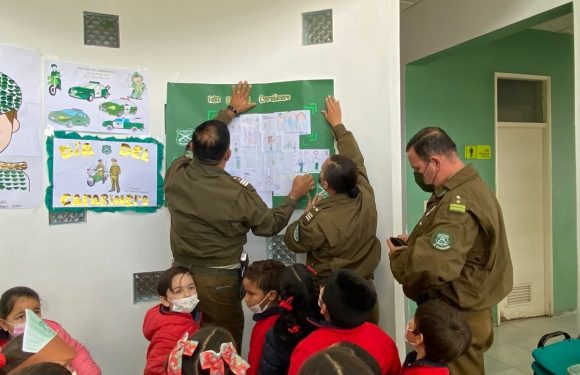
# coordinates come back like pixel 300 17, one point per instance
pixel 266 274
pixel 44 368
pixel 341 174
pixel 298 284
pixel 8 300
pixel 164 282
pixel 208 338
pixel 349 299
pixel 446 334
pixel 14 354
pixel 339 360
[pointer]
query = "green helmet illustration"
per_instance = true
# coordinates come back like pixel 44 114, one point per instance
pixel 10 94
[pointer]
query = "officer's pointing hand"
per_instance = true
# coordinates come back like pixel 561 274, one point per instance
pixel 300 186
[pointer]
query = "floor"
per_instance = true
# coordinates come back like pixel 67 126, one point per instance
pixel 514 341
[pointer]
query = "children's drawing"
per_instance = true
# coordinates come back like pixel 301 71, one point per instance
pixel 138 85
pixel 125 123
pixel 250 131
pixel 13 176
pixel 119 107
pixel 268 124
pixel 251 158
pixel 101 93
pixel 294 122
pixel 70 117
pixel 271 143
pixel 289 142
pixel 10 101
pixel 309 161
pixel 97 173
pixel 89 91
pixel 54 80
pixel 115 172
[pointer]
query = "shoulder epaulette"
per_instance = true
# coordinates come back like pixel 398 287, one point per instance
pixel 241 181
pixel 311 214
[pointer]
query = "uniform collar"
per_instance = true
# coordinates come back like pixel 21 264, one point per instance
pixel 335 200
pixel 208 169
pixel 460 177
pixel 274 310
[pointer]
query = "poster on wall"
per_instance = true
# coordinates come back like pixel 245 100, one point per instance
pixel 20 128
pixel 104 174
pixel 285 135
pixel 94 99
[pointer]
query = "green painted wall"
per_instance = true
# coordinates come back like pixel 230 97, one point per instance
pixel 456 92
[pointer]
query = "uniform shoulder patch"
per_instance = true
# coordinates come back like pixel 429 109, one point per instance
pixel 457 205
pixel 442 240
pixel 241 181
pixel 309 216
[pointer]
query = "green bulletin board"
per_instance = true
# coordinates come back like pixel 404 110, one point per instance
pixel 190 104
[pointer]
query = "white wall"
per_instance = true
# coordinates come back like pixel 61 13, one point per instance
pixel 84 272
pixel 435 25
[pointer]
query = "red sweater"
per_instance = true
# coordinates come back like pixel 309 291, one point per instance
pixel 264 322
pixel 163 329
pixel 412 366
pixel 368 336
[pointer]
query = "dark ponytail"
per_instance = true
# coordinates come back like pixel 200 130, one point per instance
pixel 341 174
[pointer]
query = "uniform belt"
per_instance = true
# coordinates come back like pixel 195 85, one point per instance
pixel 207 270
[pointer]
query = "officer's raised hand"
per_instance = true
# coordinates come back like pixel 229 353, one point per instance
pixel 300 186
pixel 240 101
pixel 333 113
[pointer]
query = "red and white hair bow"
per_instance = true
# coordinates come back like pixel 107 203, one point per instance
pixel 227 355
pixel 182 347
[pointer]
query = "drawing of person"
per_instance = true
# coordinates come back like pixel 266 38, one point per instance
pixel 10 101
pixel 271 140
pixel 316 160
pixel 114 173
pixel 301 122
pixel 100 171
pixel 301 165
pixel 54 80
pixel 137 85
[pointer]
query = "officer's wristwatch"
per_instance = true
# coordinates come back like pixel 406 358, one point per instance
pixel 234 110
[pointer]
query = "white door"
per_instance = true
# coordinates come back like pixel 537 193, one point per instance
pixel 523 193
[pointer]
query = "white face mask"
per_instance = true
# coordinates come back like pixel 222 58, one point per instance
pixel 256 309
pixel 184 305
pixel 17 329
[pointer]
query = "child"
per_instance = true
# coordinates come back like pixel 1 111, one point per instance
pixel 165 323
pixel 13 304
pixel 343 358
pixel 439 334
pixel 39 343
pixel 346 302
pixel 262 284
pixel 210 350
pixel 299 295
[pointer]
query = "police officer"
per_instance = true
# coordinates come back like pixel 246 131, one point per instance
pixel 340 231
pixel 212 212
pixel 458 252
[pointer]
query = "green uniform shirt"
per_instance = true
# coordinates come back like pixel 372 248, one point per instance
pixel 212 212
pixel 459 249
pixel 340 231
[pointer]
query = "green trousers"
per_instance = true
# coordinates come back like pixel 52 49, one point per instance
pixel 219 299
pixel 471 362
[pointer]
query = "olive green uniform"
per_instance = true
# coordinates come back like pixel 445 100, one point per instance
pixel 211 214
pixel 458 252
pixel 340 231
pixel 114 173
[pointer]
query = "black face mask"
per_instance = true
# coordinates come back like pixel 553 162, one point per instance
pixel 429 188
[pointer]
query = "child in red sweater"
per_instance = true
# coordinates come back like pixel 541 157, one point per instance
pixel 346 302
pixel 167 322
pixel 439 334
pixel 262 285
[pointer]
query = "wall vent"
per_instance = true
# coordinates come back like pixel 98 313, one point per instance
pixel 317 27
pixel 145 286
pixel 101 30
pixel 521 294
